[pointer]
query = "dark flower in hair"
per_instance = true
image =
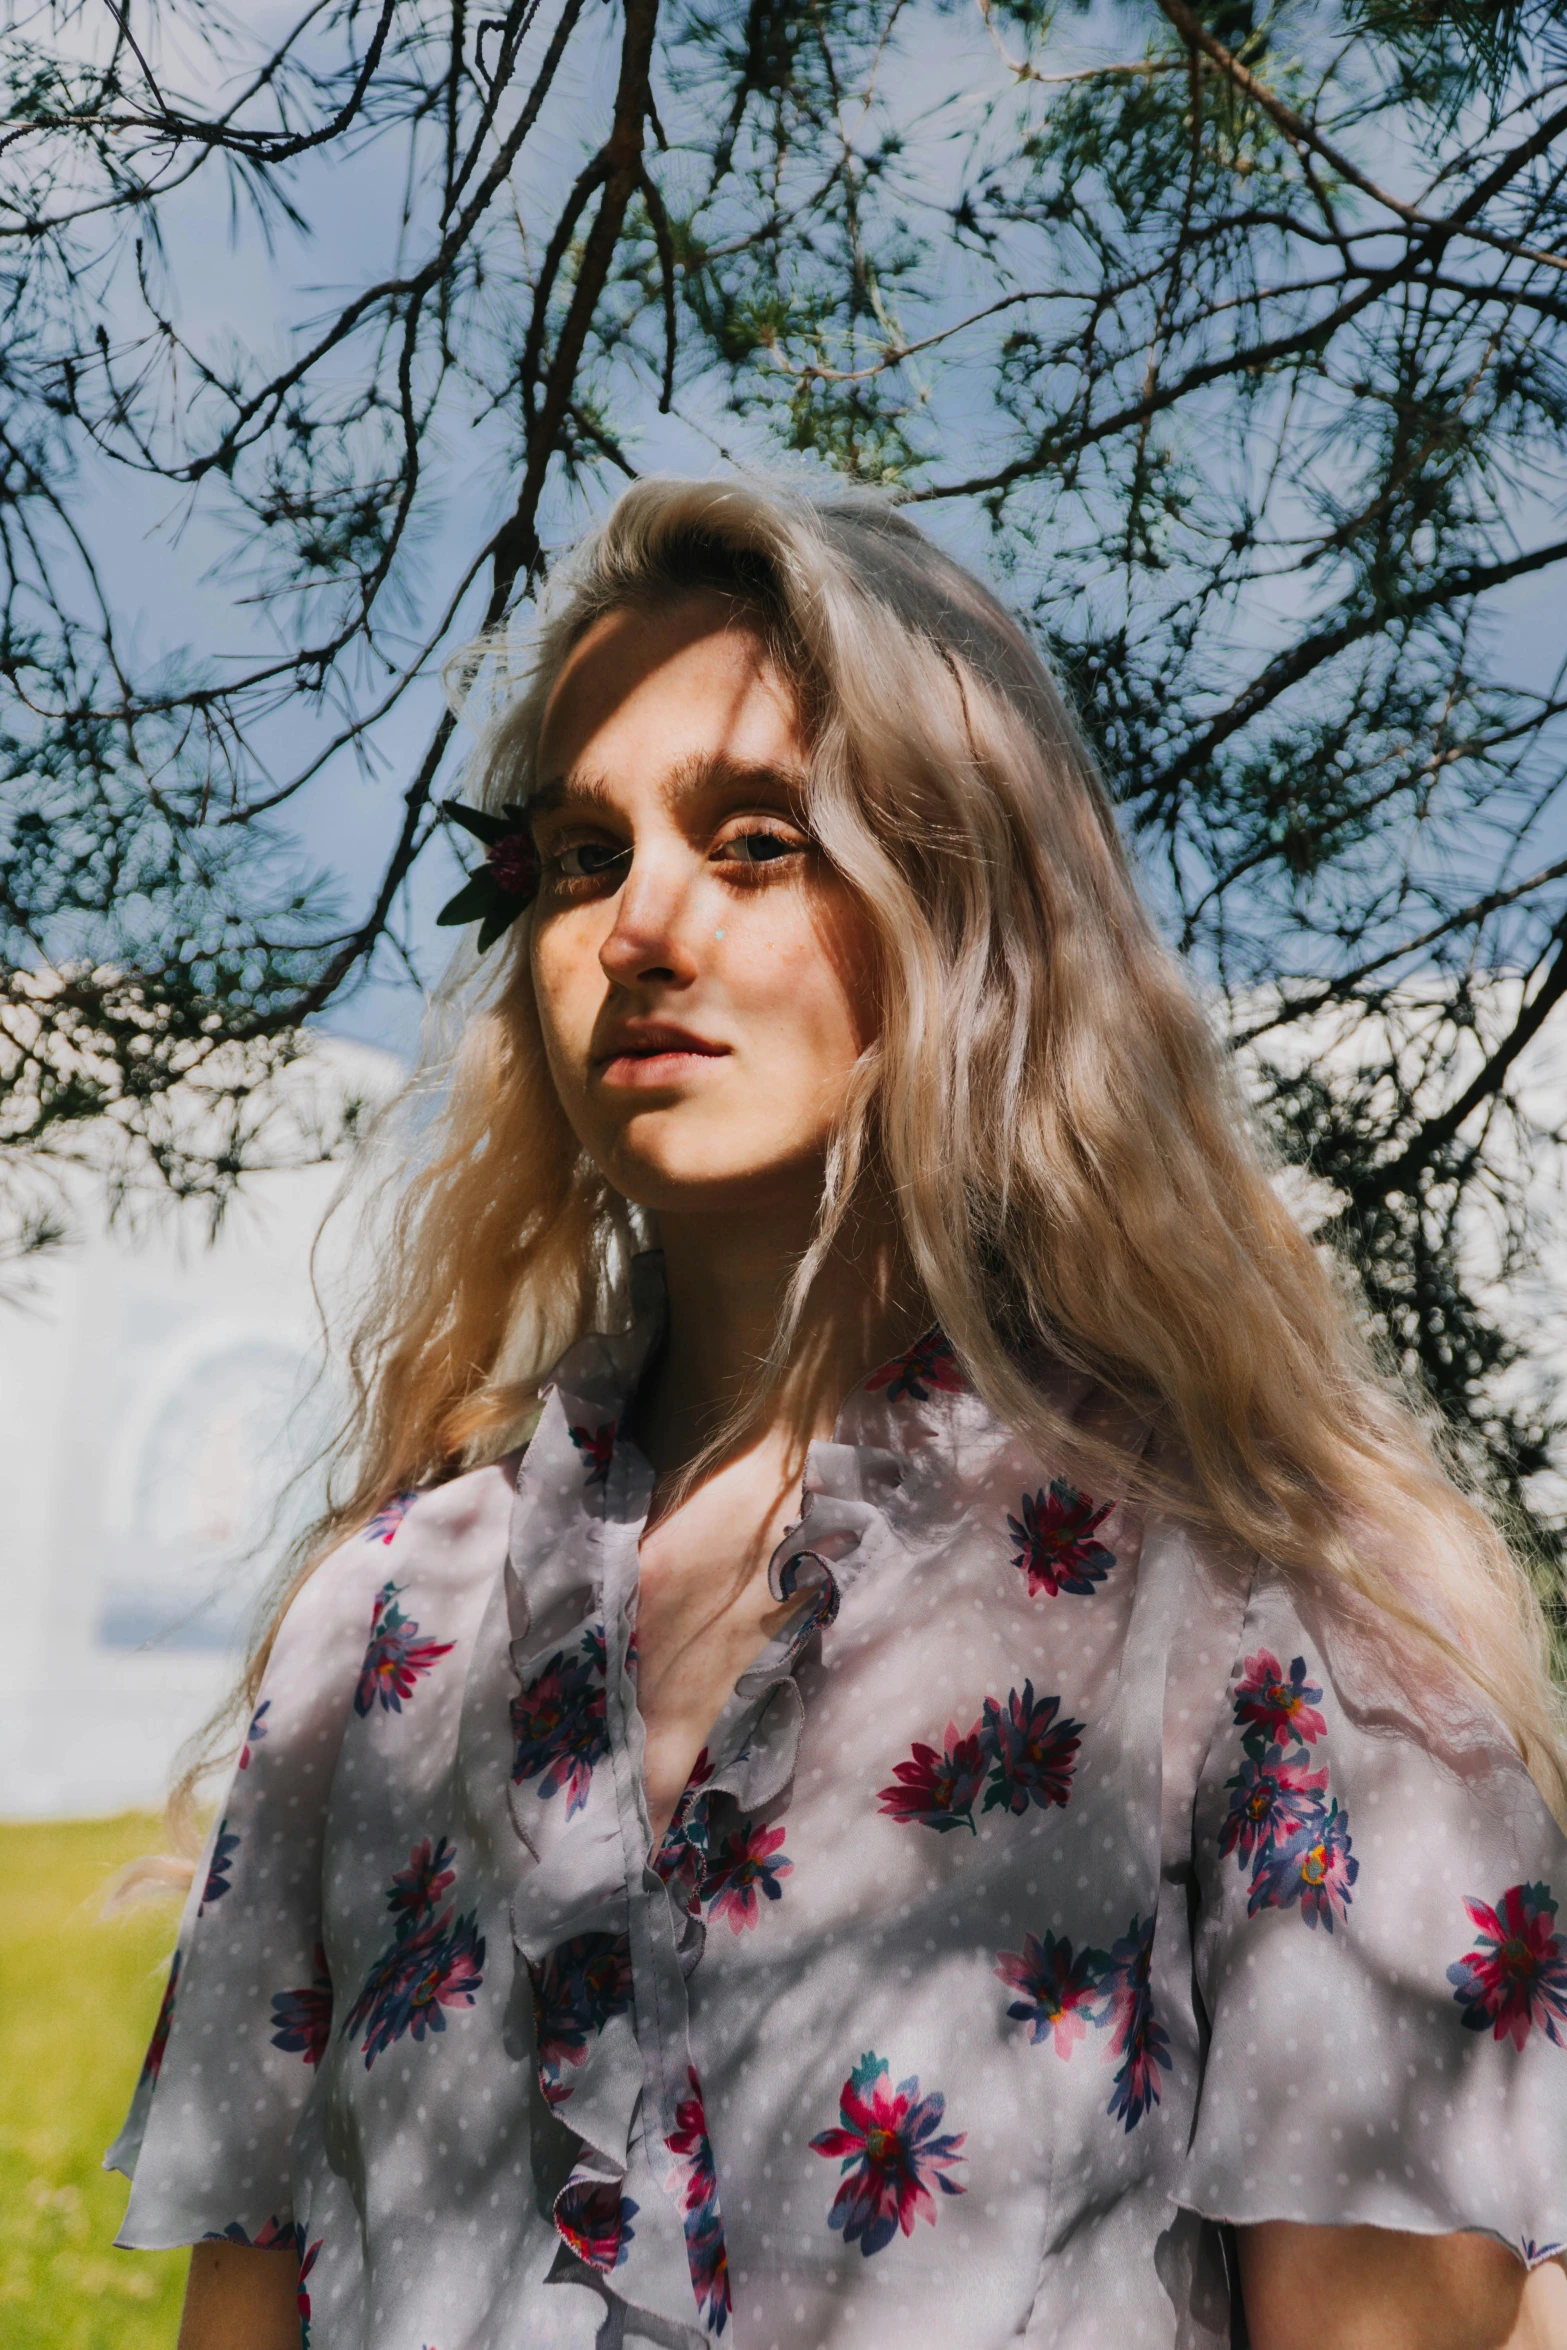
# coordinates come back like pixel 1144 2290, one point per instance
pixel 500 889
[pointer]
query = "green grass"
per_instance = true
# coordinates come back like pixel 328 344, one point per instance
pixel 78 1996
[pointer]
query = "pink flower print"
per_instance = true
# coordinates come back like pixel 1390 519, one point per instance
pixel 559 1721
pixel 1281 1821
pixel 152 2062
pixel 302 2019
pixel 1137 2038
pixel 695 2186
pixel 416 1890
pixel 1269 1798
pixel 395 1658
pixel 1056 1550
pixel 1060 1992
pixel 1277 1710
pixel 1516 1975
pixel 274 2235
pixel 448 1974
pixel 893 2151
pixel 389 1517
pixel 938 1789
pixel 595 2219
pixel 433 1962
pixel 1063 1995
pixel 597 1447
pixel 577 1989
pixel 681 1858
pixel 256 1732
pixel 1314 1865
pixel 225 1845
pixel 749 1863
pixel 436 1967
pixel 302 2295
pixel 1034 1752
pixel 377 1998
pixel 930 1366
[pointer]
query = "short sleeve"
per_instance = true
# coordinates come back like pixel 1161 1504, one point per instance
pixel 248 2006
pixel 1382 1958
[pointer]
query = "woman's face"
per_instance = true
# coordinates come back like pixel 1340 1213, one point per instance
pixel 703 976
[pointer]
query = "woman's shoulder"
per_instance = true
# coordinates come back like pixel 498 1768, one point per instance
pixel 446 1520
pixel 449 1538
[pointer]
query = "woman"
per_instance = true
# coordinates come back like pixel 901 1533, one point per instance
pixel 1089 1874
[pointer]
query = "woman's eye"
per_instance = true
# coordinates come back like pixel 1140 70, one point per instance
pixel 590 860
pixel 762 847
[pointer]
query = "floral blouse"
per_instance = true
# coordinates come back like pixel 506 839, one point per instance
pixel 1043 1901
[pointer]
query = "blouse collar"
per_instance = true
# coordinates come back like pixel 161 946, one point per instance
pixel 910 1434
pixel 895 1408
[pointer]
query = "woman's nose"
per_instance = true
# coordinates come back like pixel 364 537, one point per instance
pixel 651 936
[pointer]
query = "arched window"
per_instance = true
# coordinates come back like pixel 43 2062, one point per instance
pixel 215 1497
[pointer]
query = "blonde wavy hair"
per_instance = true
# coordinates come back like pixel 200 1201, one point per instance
pixel 1072 1162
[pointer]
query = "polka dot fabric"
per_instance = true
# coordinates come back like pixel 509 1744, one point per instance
pixel 1038 1908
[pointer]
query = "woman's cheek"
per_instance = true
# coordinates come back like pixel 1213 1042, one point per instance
pixel 569 989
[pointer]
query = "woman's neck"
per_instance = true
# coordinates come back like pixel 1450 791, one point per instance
pixel 727 1277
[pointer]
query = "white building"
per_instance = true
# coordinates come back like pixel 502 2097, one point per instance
pixel 154 1398
pixel 156 1394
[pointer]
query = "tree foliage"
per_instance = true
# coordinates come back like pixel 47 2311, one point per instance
pixel 1234 335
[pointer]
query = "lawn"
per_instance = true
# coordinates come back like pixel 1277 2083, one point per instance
pixel 77 2000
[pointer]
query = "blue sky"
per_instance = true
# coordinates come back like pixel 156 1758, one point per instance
pixel 172 570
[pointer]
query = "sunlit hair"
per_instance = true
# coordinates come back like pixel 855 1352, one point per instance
pixel 1075 1173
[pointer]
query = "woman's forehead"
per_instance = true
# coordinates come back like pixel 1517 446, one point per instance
pixel 655 695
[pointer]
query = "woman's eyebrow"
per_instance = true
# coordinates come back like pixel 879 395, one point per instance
pixel 717 772
pixel 561 791
pixel 689 778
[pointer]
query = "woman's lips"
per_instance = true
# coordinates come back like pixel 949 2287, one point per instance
pixel 660 1058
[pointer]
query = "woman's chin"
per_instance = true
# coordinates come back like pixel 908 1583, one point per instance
pixel 691 1181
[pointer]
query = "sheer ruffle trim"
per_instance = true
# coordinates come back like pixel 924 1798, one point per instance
pixel 847 1491
pixel 573 1927
pixel 600 1938
pixel 579 1914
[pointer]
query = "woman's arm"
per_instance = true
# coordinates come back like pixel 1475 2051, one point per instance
pixel 240 2299
pixel 1371 2289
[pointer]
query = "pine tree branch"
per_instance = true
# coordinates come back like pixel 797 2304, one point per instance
pixel 1434 1134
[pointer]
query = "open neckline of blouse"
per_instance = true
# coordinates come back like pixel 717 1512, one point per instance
pixel 892 1435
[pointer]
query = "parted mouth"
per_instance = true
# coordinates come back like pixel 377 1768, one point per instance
pixel 654 1040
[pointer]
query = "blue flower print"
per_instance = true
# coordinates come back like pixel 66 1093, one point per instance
pixel 389 1517
pixel 1313 1866
pixel 559 1722
pixel 893 2151
pixel 256 1733
pixel 434 1962
pixel 1055 1549
pixel 577 1989
pixel 1283 1822
pixel 1064 1993
pixel 1034 1751
pixel 1137 2038
pixel 597 1447
pixel 225 1845
pixel 394 1656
